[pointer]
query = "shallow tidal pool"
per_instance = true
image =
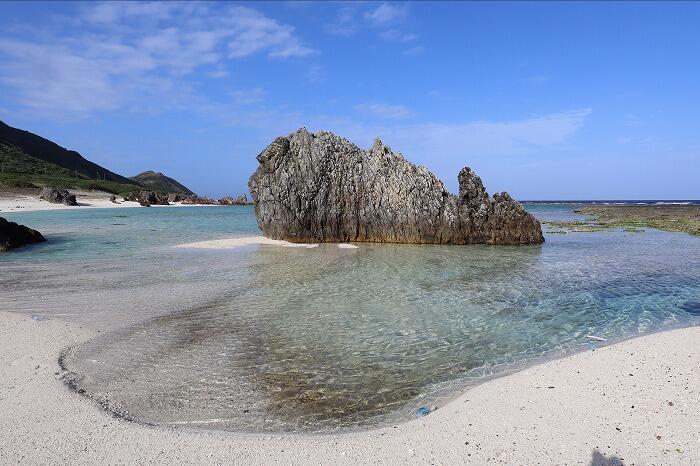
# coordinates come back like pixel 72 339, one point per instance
pixel 266 338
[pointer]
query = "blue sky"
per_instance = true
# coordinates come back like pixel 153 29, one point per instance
pixel 545 100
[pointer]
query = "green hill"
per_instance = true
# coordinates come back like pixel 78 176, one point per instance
pixel 43 149
pixel 19 170
pixel 159 182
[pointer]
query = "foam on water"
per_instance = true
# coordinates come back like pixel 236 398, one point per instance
pixel 269 338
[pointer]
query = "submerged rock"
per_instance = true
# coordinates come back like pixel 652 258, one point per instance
pixel 13 235
pixel 320 187
pixel 58 196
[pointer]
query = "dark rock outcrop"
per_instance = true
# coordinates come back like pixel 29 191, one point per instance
pixel 148 198
pixel 228 200
pixel 58 196
pixel 13 235
pixel 320 187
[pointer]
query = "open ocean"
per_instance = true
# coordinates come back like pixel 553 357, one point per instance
pixel 264 338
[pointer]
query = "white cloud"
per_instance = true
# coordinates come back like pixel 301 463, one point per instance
pixel 254 32
pixel 384 110
pixel 112 12
pixel 49 78
pixel 122 48
pixel 386 13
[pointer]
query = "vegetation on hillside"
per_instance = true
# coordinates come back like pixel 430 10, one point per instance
pixel 160 182
pixel 21 171
pixel 48 151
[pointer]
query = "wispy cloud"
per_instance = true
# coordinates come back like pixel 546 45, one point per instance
pixel 396 35
pixel 345 22
pixel 248 96
pixel 386 13
pixel 384 110
pixel 121 50
pixel 383 19
pixel 414 50
pixel 486 137
pixel 537 79
pixel 430 141
pixel 315 74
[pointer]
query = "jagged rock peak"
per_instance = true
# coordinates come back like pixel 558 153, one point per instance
pixel 321 187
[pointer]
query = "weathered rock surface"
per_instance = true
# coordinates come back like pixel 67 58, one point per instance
pixel 228 200
pixel 322 188
pixel 58 196
pixel 195 199
pixel 13 235
pixel 148 198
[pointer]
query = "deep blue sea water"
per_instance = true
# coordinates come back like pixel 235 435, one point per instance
pixel 266 338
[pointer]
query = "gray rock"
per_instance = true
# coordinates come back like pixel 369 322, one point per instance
pixel 228 200
pixel 322 188
pixel 195 199
pixel 58 196
pixel 13 235
pixel 175 197
pixel 148 198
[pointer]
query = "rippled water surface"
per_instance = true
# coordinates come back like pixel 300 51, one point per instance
pixel 267 338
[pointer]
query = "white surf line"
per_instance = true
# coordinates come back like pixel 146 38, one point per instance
pixel 593 337
pixel 347 246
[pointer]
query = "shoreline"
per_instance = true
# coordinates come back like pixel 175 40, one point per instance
pixel 517 418
pixel 16 203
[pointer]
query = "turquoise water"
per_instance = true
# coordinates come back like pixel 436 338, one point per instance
pixel 265 338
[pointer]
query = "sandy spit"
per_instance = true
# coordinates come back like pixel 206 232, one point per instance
pixel 636 402
pixel 231 243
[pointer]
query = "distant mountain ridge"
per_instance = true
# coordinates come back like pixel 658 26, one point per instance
pixel 43 149
pixel 31 161
pixel 159 182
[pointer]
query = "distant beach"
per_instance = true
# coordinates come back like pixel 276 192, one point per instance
pixel 15 202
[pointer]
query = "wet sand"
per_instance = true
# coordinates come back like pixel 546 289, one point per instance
pixel 636 402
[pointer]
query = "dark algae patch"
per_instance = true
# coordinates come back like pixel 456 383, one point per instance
pixel 634 218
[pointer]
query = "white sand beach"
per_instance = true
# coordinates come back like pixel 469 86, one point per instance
pixel 232 243
pixel 635 402
pixel 86 199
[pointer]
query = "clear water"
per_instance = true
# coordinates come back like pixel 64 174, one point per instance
pixel 264 338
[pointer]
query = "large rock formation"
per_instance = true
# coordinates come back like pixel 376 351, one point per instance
pixel 320 187
pixel 13 235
